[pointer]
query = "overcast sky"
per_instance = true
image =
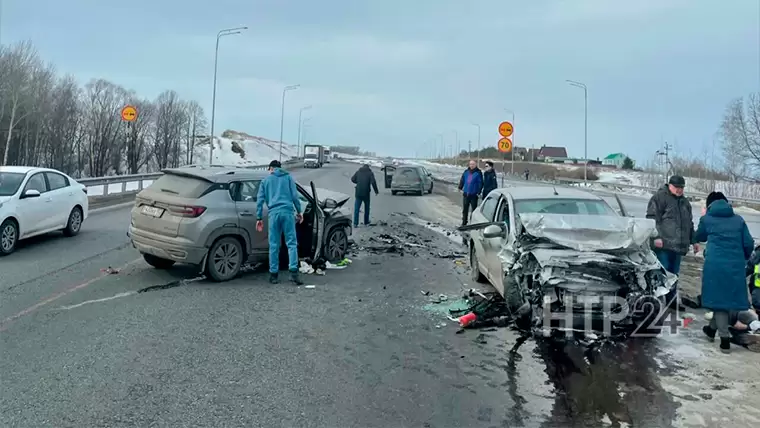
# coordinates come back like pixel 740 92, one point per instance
pixel 389 75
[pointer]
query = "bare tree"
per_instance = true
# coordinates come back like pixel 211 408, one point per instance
pixel 18 63
pixel 196 125
pixel 740 135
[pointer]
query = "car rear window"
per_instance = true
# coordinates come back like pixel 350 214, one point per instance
pixel 564 206
pixel 185 187
pixel 408 173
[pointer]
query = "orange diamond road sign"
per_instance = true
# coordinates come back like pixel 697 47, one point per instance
pixel 505 145
pixel 506 129
pixel 129 114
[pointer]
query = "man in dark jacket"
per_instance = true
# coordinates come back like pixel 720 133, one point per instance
pixel 471 184
pixel 672 214
pixel 489 179
pixel 364 178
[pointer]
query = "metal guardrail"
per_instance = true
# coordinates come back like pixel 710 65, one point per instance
pixel 119 184
pixel 568 182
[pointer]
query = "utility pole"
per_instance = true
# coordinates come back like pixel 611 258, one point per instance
pixel 665 152
pixel 282 112
pixel 475 124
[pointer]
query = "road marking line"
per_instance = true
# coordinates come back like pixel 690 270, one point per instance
pixel 5 323
pixel 105 299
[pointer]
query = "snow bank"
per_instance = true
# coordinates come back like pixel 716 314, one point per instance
pixel 239 148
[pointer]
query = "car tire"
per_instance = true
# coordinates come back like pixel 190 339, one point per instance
pixel 475 274
pixel 336 245
pixel 393 192
pixel 8 237
pixel 74 225
pixel 225 258
pixel 158 262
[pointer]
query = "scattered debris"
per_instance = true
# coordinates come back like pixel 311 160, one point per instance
pixel 172 284
pixel 110 271
pixel 309 287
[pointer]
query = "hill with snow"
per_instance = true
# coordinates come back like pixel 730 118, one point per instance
pixel 240 148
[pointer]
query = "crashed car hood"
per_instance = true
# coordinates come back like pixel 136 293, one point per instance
pixel 325 194
pixel 589 233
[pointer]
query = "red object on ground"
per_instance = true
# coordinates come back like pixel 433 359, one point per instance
pixel 687 321
pixel 465 320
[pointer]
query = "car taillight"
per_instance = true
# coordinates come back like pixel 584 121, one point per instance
pixel 187 211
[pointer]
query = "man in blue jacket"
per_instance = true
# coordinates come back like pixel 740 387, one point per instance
pixel 280 194
pixel 471 184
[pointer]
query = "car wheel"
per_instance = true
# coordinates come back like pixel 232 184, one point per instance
pixel 225 259
pixel 158 262
pixel 475 274
pixel 337 245
pixel 74 224
pixel 8 237
pixel 393 192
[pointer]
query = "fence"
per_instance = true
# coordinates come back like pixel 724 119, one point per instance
pixel 115 189
pixel 612 187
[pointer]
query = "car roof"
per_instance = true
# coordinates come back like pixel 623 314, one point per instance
pixel 218 173
pixel 25 169
pixel 547 192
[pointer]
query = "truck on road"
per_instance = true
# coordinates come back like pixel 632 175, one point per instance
pixel 328 154
pixel 313 156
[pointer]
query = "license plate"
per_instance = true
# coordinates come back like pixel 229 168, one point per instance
pixel 152 211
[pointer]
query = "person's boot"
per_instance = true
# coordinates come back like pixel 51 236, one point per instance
pixel 295 278
pixel 725 345
pixel 273 278
pixel 709 332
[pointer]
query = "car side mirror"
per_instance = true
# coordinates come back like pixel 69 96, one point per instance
pixel 494 231
pixel 430 174
pixel 31 193
pixel 330 203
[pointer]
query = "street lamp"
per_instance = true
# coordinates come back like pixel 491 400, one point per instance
pixel 478 125
pixel 219 35
pixel 443 149
pixel 300 114
pixel 456 144
pixel 282 112
pixel 585 127
pixel 302 132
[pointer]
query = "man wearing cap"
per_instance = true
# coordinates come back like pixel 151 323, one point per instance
pixel 672 213
pixel 280 194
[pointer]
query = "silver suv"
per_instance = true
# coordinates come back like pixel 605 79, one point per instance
pixel 408 179
pixel 206 216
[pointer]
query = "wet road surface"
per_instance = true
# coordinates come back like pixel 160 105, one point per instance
pixel 80 346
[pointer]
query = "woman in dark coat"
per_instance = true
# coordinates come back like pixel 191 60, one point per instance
pixel 729 246
pixel 489 179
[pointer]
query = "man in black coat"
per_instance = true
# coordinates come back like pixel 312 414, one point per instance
pixel 489 179
pixel 364 178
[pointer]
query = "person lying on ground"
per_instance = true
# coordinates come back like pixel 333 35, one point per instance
pixel 744 329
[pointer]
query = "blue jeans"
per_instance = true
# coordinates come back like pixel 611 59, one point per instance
pixel 670 260
pixel 357 206
pixel 279 224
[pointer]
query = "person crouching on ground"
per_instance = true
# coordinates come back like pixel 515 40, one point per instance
pixel 489 179
pixel 672 214
pixel 729 246
pixel 471 184
pixel 364 179
pixel 280 194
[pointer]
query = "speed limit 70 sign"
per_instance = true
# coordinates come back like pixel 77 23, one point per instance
pixel 505 145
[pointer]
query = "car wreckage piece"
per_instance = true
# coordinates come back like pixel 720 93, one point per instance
pixel 578 273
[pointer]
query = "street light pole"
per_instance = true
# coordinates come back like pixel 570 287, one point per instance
pixel 443 149
pixel 456 145
pixel 219 35
pixel 585 127
pixel 513 143
pixel 300 113
pixel 478 125
pixel 282 112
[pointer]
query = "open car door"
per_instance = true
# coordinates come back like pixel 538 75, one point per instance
pixel 388 171
pixel 319 225
pixel 623 211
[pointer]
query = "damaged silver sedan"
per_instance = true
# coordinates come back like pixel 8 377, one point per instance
pixel 566 261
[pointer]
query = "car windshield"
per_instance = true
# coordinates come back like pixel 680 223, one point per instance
pixel 564 206
pixel 10 182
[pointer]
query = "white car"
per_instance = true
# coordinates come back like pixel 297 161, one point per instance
pixel 35 201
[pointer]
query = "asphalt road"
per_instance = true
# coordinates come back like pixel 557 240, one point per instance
pixel 81 347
